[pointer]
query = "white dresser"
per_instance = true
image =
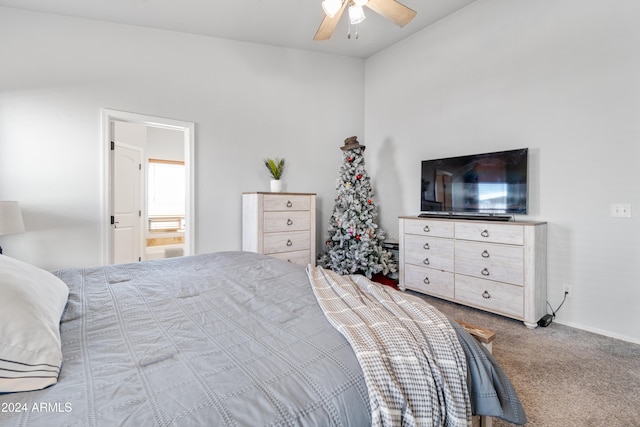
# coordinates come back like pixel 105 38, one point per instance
pixel 282 225
pixel 499 267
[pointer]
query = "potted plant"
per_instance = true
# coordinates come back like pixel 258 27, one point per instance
pixel 276 168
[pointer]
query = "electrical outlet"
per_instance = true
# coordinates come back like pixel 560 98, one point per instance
pixel 621 210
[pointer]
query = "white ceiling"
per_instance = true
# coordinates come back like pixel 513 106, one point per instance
pixel 287 23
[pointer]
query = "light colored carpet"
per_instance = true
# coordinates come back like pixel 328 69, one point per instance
pixel 564 376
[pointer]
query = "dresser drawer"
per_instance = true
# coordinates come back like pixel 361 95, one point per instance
pixel 429 228
pixel 497 266
pixel 286 221
pixel 288 202
pixel 427 251
pixel 430 281
pixel 280 223
pixel 296 257
pixel 494 262
pixel 493 233
pixel 286 242
pixel 497 297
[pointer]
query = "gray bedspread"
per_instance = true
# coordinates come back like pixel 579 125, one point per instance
pixel 224 339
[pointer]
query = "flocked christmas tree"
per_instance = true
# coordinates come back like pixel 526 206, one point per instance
pixel 355 241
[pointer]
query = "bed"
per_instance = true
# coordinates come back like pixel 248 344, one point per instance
pixel 222 339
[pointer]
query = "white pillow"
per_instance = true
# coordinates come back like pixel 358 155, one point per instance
pixel 31 304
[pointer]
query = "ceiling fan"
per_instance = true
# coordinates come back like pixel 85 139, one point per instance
pixel 400 14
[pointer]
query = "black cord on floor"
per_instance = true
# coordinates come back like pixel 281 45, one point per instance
pixel 553 313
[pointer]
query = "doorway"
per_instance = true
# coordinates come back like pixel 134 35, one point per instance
pixel 154 237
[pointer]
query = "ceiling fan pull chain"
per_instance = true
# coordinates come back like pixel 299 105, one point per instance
pixel 349 31
pixel 356 32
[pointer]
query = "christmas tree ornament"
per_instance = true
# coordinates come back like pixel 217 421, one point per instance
pixel 355 240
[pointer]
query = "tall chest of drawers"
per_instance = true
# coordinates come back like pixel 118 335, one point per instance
pixel 282 225
pixel 499 267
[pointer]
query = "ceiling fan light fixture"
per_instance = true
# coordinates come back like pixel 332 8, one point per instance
pixel 331 7
pixel 356 14
pixel 360 2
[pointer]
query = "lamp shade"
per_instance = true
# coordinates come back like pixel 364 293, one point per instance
pixel 331 7
pixel 356 14
pixel 10 218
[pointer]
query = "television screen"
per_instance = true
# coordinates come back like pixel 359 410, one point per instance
pixel 489 183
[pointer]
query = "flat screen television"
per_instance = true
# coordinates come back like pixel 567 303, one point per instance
pixel 480 184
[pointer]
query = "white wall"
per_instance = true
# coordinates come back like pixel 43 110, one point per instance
pixel 165 144
pixel 248 102
pixel 559 77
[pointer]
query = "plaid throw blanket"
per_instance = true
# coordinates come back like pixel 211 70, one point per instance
pixel 413 364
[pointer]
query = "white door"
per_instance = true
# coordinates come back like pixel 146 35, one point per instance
pixel 126 230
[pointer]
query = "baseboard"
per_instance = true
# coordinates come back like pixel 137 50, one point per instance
pixel 599 331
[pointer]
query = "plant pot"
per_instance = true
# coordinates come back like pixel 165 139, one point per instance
pixel 276 186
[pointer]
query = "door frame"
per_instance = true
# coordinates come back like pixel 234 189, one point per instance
pixel 188 129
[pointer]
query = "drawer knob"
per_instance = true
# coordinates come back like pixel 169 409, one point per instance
pixel 289 222
pixel 486 295
pixel 426 246
pixel 485 272
pixel 289 243
pixel 485 233
pixel 426 281
pixel 289 204
pixel 485 254
pixel 426 229
pixel 426 261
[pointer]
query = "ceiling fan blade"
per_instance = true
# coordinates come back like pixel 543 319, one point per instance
pixel 400 14
pixel 329 24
